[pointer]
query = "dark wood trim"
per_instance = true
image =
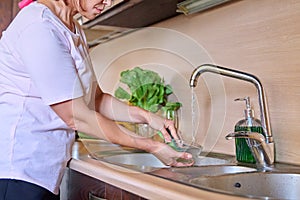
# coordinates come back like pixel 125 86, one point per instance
pixel 8 10
pixel 15 8
pixel 80 186
pixel 136 13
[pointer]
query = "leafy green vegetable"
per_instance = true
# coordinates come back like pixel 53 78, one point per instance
pixel 120 93
pixel 148 90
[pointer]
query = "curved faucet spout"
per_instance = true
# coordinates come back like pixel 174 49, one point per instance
pixel 264 117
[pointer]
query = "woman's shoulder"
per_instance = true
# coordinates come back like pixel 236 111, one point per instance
pixel 32 14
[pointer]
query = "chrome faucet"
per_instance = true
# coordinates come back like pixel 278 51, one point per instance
pixel 261 146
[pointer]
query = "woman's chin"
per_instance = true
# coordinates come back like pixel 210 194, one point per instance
pixel 90 16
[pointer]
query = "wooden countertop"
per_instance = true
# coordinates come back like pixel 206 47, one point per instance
pixel 145 185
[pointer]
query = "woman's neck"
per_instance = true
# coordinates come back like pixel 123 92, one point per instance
pixel 63 11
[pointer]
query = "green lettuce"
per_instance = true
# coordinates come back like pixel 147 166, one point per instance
pixel 147 90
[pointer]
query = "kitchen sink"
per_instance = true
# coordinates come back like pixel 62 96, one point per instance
pixel 262 185
pixel 135 159
pixel 141 160
pixel 212 171
pixel 215 176
pixel 147 162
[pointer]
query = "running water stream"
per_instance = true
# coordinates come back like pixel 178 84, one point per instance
pixel 193 108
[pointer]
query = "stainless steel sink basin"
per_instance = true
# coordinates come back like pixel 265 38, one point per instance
pixel 136 159
pixel 206 160
pixel 263 185
pixel 148 162
pixel 212 171
pixel 140 160
pixel 228 179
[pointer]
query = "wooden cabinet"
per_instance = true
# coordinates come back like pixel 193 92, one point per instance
pixel 78 186
pixel 126 16
pixel 8 10
pixel 136 13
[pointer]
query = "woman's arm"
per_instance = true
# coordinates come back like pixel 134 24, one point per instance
pixel 76 114
pixel 117 110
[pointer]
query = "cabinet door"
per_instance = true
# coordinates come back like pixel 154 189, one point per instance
pixel 114 193
pixel 83 187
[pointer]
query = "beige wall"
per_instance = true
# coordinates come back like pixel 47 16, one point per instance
pixel 261 37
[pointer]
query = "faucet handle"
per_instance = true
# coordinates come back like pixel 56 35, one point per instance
pixel 263 152
pixel 246 134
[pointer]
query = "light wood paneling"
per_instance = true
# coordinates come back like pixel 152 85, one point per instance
pixel 261 37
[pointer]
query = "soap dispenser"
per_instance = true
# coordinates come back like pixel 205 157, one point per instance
pixel 243 152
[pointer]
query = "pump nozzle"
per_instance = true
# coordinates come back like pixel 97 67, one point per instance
pixel 249 113
pixel 247 99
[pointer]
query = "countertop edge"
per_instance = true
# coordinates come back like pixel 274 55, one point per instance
pixel 144 185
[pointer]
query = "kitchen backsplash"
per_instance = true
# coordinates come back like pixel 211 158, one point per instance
pixel 261 37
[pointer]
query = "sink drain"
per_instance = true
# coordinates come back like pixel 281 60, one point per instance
pixel 237 185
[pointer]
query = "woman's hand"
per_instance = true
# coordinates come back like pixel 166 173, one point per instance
pixel 114 109
pixel 171 157
pixel 165 126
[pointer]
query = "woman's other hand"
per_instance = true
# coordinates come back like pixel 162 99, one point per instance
pixel 171 157
pixel 166 127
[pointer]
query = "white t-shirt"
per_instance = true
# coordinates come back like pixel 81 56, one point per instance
pixel 41 63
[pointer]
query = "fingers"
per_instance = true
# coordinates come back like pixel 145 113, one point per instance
pixel 186 155
pixel 173 132
pixel 166 135
pixel 171 157
pixel 185 160
pixel 169 130
pixel 181 164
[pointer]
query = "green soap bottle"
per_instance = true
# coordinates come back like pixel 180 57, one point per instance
pixel 243 152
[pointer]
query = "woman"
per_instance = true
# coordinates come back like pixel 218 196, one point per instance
pixel 48 91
